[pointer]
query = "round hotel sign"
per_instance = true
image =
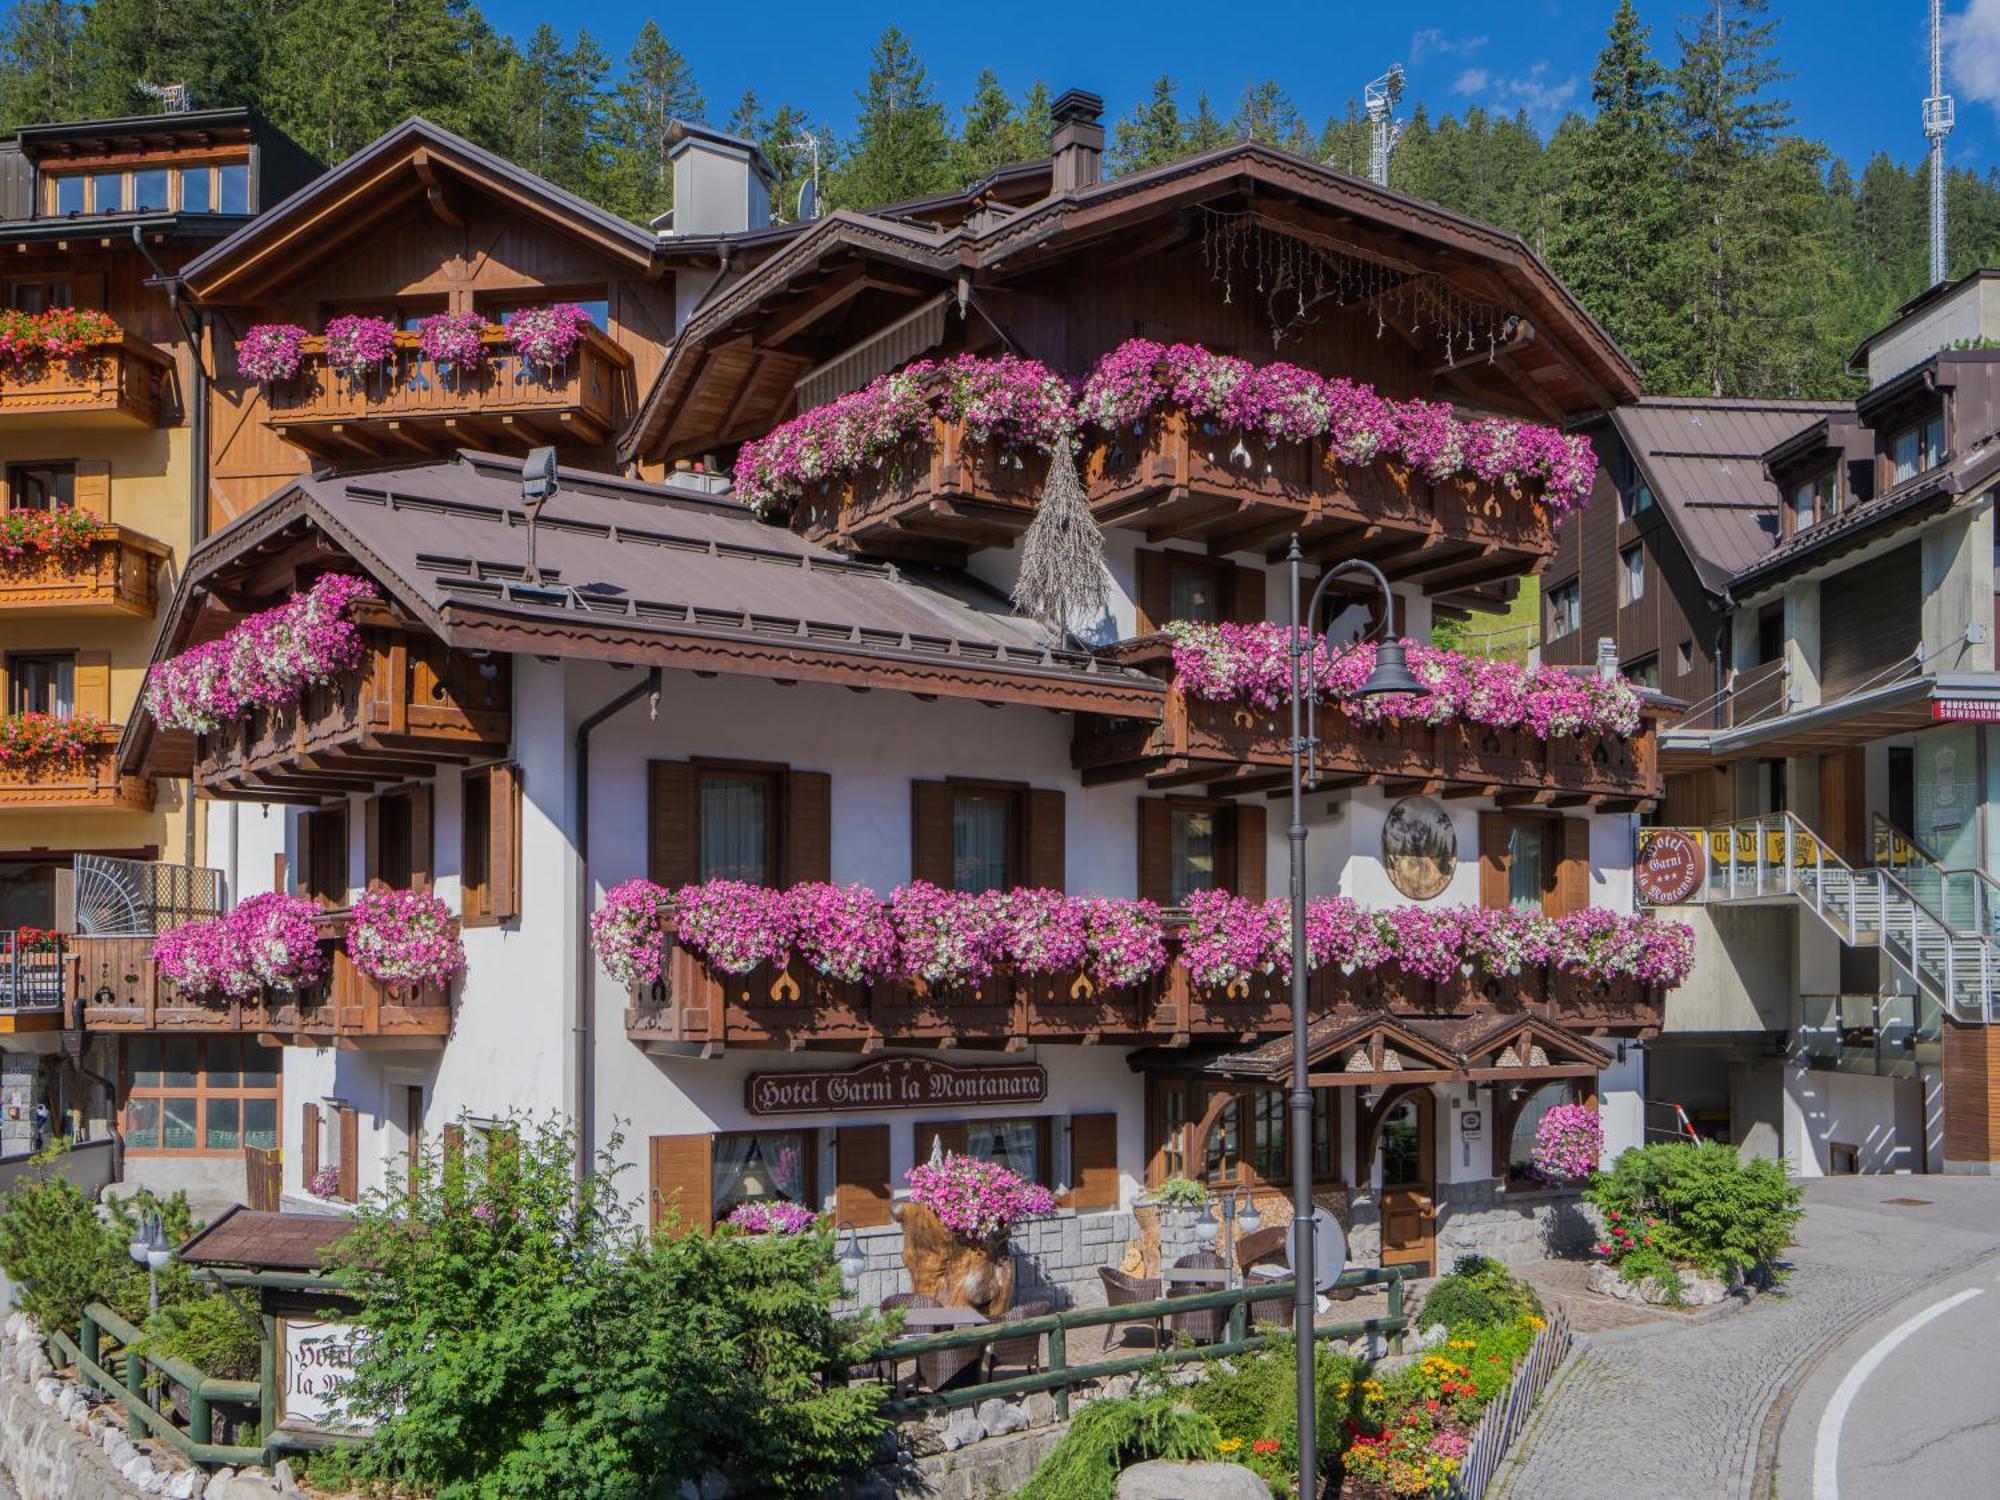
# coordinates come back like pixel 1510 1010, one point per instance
pixel 1670 867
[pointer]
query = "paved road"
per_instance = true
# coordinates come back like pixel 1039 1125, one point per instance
pixel 1693 1412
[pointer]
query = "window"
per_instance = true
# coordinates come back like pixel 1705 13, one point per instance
pixel 1400 1143
pixel 197 190
pixel 1190 844
pixel 489 862
pixel 1684 658
pixel 1193 851
pixel 40 486
pixel 982 838
pixel 199 1095
pixel 396 839
pixel 1248 1141
pixel 68 193
pixel 149 190
pixel 233 188
pixel 1017 1145
pixel 1645 672
pixel 107 193
pixel 1194 589
pixel 1527 862
pixel 761 1167
pixel 1534 862
pixel 1917 448
pixel 38 295
pixel 42 684
pixel 406 312
pixel 1814 500
pixel 737 825
pixel 1565 613
pixel 1631 575
pixel 1770 633
pixel 323 856
pixel 592 301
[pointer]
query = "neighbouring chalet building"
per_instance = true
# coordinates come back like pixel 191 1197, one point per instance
pixel 638 676
pixel 1835 786
pixel 95 220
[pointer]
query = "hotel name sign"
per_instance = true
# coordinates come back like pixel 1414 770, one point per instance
pixel 894 1083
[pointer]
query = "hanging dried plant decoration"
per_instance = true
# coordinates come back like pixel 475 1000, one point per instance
pixel 1061 583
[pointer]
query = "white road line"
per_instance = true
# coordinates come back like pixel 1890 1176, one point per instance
pixel 1826 1446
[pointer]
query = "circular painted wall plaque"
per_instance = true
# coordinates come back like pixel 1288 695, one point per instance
pixel 1669 868
pixel 1419 847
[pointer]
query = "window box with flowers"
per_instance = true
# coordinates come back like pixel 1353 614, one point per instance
pixel 77 359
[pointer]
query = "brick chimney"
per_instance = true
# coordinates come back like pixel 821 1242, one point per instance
pixel 1077 144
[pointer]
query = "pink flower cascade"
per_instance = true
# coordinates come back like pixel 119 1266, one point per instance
pixel 268 660
pixel 776 1217
pixel 630 932
pixel 405 938
pixel 325 1183
pixel 1233 663
pixel 267 943
pixel 357 345
pixel 1569 1143
pixel 977 1200
pixel 548 336
pixel 270 351
pixel 454 342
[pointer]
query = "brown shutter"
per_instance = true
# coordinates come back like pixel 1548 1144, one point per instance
pixel 454 1147
pixel 308 1143
pixel 1156 849
pixel 1246 596
pixel 808 826
pixel 1572 882
pixel 350 1154
pixel 670 855
pixel 1154 594
pixel 861 1187
pixel 1251 854
pixel 1093 1161
pixel 421 874
pixel 91 685
pixel 930 832
pixel 371 844
pixel 303 866
pixel 1047 862
pixel 93 487
pixel 1492 859
pixel 503 882
pixel 924 1132
pixel 679 1180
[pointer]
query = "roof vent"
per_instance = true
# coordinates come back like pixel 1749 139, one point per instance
pixel 538 485
pixel 722 183
pixel 1077 144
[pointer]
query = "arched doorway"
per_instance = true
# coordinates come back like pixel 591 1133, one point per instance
pixel 1405 1142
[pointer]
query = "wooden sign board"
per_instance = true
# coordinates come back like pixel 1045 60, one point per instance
pixel 894 1083
pixel 319 1358
pixel 1670 867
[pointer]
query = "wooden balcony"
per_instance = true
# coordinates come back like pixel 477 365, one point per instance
pixel 116 384
pixel 413 406
pixel 118 988
pixel 1240 748
pixel 80 785
pixel 702 1012
pixel 939 491
pixel 409 707
pixel 32 991
pixel 113 575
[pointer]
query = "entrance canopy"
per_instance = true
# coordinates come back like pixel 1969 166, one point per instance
pixel 1379 1051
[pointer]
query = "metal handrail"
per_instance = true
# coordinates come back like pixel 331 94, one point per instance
pixel 1894 850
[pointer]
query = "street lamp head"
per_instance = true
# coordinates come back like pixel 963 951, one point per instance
pixel 1392 673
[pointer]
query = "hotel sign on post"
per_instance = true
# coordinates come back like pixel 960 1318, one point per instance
pixel 319 1361
pixel 894 1083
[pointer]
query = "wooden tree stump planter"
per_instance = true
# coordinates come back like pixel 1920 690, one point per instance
pixel 955 1271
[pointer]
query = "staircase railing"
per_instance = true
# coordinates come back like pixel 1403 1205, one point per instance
pixel 1969 900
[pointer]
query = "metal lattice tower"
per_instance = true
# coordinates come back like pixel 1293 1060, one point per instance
pixel 173 97
pixel 1384 128
pixel 1938 120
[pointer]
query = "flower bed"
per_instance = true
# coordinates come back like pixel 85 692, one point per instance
pixel 269 660
pixel 1673 1209
pixel 405 938
pixel 65 532
pixel 1251 663
pixel 29 339
pixel 267 943
pixel 34 738
pixel 975 1199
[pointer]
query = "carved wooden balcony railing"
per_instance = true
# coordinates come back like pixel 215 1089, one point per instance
pixel 112 575
pixel 409 707
pixel 411 403
pixel 697 1010
pixel 1245 748
pixel 939 489
pixel 117 383
pixel 117 987
pixel 60 784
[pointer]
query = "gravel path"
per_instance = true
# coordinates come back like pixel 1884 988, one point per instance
pixel 1673 1411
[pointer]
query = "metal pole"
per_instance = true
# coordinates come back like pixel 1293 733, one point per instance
pixel 1302 1199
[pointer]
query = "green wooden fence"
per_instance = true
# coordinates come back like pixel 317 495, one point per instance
pixel 134 1386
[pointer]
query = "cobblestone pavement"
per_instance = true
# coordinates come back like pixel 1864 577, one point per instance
pixel 1678 1411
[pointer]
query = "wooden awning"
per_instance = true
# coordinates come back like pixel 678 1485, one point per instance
pixel 246 1239
pixel 1379 1051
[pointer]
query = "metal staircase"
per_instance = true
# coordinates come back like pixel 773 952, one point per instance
pixel 1949 942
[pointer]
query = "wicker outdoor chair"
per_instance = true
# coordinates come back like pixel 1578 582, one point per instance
pixel 1265 1247
pixel 1023 1349
pixel 1208 1325
pixel 886 1369
pixel 942 1366
pixel 1121 1290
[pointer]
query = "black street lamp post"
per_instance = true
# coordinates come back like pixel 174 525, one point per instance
pixel 1390 675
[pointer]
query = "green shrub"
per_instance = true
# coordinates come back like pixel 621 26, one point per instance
pixel 1180 1192
pixel 210 1333
pixel 516 1336
pixel 1108 1437
pixel 1701 1206
pixel 1478 1289
pixel 1255 1403
pixel 1647 1264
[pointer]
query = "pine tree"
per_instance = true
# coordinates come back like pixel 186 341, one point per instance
pixel 902 149
pixel 557 98
pixel 1205 129
pixel 657 88
pixel 208 45
pixel 999 133
pixel 41 76
pixel 1266 113
pixel 1151 135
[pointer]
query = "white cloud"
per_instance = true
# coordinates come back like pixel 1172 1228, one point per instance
pixel 1472 81
pixel 1543 97
pixel 1972 51
pixel 1433 40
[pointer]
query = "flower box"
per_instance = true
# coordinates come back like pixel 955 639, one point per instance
pixel 919 485
pixel 119 988
pixel 111 573
pixel 115 379
pixel 1577 997
pixel 349 1008
pixel 66 784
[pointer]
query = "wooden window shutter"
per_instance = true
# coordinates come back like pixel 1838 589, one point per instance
pixel 308 1143
pixel 808 826
pixel 1251 854
pixel 92 685
pixel 1492 859
pixel 950 1132
pixel 670 854
pixel 350 1154
pixel 861 1187
pixel 503 886
pixel 678 1180
pixel 371 844
pixel 1156 850
pixel 1154 594
pixel 930 832
pixel 1047 858
pixel 454 1147
pixel 1093 1161
pixel 1246 596
pixel 302 867
pixel 421 872
pixel 1572 880
pixel 93 486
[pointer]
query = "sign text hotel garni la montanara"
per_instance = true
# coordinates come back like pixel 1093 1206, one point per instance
pixel 894 1083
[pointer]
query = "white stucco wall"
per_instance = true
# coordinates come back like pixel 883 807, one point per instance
pixel 1882 1118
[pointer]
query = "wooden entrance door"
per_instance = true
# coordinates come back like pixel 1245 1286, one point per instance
pixel 1406 1146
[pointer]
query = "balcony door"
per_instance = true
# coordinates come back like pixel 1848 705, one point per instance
pixel 1406 1150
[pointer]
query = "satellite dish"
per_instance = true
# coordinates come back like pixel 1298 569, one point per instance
pixel 808 200
pixel 1329 1250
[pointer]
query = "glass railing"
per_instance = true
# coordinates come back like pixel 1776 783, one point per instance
pixel 1891 1036
pixel 1966 900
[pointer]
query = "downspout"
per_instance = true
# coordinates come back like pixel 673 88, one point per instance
pixel 582 1032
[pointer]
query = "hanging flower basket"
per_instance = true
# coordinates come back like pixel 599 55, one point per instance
pixel 455 343
pixel 270 352
pixel 1569 1143
pixel 405 939
pixel 358 346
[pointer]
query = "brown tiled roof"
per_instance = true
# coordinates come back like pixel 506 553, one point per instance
pixel 1704 462
pixel 245 1239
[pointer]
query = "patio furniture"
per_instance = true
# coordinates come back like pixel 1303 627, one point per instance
pixel 942 1366
pixel 906 1303
pixel 1208 1325
pixel 1023 1349
pixel 1265 1248
pixel 1121 1290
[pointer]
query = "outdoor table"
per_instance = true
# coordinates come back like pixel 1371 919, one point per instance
pixel 937 1320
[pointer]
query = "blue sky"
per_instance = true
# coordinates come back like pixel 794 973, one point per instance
pixel 1860 66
